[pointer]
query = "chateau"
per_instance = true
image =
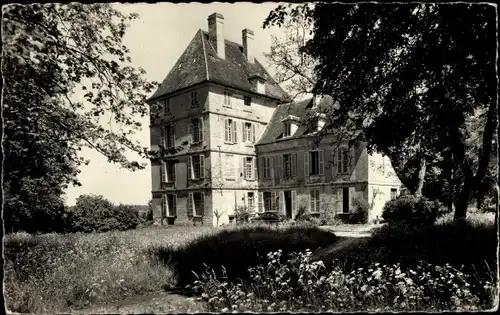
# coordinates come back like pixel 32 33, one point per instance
pixel 240 141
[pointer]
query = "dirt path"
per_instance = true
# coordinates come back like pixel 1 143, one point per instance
pixel 148 304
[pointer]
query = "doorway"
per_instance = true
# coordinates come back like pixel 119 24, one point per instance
pixel 288 203
pixel 345 200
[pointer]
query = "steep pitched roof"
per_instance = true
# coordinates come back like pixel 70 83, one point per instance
pixel 199 63
pixel 275 129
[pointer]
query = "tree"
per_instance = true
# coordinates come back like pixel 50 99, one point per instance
pixel 50 52
pixel 414 72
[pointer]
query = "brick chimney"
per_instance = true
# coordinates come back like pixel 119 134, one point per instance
pixel 247 36
pixel 216 33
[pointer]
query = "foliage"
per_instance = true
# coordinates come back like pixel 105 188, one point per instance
pixel 301 284
pixel 238 248
pixel 94 213
pixel 414 71
pixel 411 210
pixel 242 214
pixel 453 242
pixel 359 215
pixel 66 74
pixel 146 217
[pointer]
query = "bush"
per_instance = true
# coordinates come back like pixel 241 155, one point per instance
pixel 301 284
pixel 239 248
pixel 359 215
pixel 93 213
pixel 411 210
pixel 242 215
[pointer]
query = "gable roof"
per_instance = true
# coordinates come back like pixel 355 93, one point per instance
pixel 275 129
pixel 199 63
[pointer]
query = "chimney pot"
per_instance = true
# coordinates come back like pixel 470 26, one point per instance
pixel 248 47
pixel 216 33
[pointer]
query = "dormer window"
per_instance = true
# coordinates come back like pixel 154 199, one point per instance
pixel 258 82
pixel 288 130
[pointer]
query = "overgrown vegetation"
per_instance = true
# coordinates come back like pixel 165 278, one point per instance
pixel 239 248
pixel 55 273
pixel 411 210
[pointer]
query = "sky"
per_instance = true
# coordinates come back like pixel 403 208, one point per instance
pixel 156 40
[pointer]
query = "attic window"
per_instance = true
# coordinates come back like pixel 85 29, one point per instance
pixel 194 98
pixel 288 130
pixel 247 100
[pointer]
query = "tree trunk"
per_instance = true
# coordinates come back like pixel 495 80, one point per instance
pixel 463 199
pixel 451 190
pixel 421 176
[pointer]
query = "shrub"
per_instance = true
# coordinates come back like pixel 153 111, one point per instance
pixel 411 210
pixel 239 248
pixel 127 217
pixel 242 214
pixel 359 215
pixel 300 214
pixel 301 284
pixel 269 217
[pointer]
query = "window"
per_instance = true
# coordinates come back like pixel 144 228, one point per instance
pixel 248 132
pixel 197 130
pixel 247 100
pixel 166 106
pixel 196 168
pixel 170 205
pixel 168 136
pixel 248 167
pixel 394 193
pixel 269 201
pixel 314 202
pixel 266 168
pixel 227 99
pixel 314 163
pixel 287 164
pixel 168 172
pixel 230 131
pixel 343 160
pixel 250 201
pixel 288 130
pixel 196 204
pixel 194 98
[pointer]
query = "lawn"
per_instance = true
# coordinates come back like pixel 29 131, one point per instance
pixel 57 273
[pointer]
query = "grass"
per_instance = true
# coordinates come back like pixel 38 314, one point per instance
pixel 56 273
pixel 238 248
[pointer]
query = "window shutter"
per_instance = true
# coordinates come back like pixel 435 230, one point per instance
pixel 162 136
pixel 190 132
pixel 321 162
pixel 294 164
pixel 190 168
pixel 261 202
pixel 202 166
pixel 311 201
pixel 352 191
pixel 254 161
pixel 244 168
pixel 317 201
pixel 294 196
pixel 174 203
pixel 173 135
pixel 162 173
pixel 173 173
pixel 163 205
pixel 201 130
pixel 190 208
pixel 202 204
pixel 339 200
pixel 351 159
pixel 306 163
pixel 226 130
pixel 273 201
pixel 253 132
pixel 243 132
pixel 261 167
pixel 282 202
pixel 334 163
pixel 235 139
pixel 271 166
pixel 280 166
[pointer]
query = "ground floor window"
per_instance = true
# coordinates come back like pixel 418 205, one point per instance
pixel 394 193
pixel 196 204
pixel 250 200
pixel 169 205
pixel 269 200
pixel 314 203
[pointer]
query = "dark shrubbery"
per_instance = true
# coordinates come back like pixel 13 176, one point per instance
pixel 240 248
pixel 96 214
pixel 359 215
pixel 411 210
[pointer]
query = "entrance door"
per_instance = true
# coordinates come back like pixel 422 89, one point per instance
pixel 345 200
pixel 288 203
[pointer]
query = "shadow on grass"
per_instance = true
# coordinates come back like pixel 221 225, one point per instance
pixel 237 250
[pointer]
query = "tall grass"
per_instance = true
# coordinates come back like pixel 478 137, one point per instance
pixel 56 273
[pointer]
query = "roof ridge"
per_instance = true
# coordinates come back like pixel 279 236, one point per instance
pixel 204 52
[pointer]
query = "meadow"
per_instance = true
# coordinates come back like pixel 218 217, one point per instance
pixel 57 273
pixel 63 273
